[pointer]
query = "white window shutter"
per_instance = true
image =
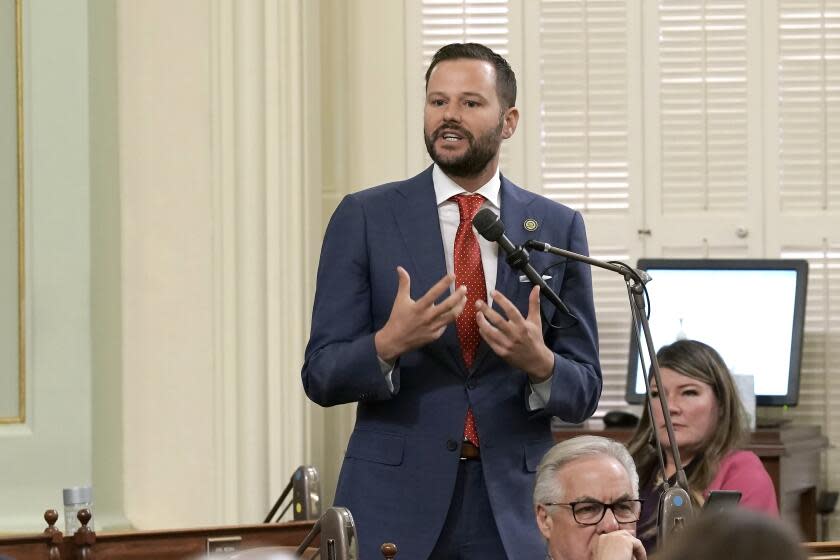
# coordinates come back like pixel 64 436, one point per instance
pixel 703 105
pixel 464 21
pixel 583 83
pixel 819 392
pixel 612 309
pixel 703 182
pixel 805 211
pixel 809 105
pixel 585 154
pixel 488 22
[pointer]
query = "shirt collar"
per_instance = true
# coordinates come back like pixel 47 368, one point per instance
pixel 446 188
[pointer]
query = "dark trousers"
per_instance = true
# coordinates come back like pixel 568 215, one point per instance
pixel 470 530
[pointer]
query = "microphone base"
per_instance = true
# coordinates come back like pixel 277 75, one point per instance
pixel 675 512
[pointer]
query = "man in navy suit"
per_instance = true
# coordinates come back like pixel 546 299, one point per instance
pixel 442 345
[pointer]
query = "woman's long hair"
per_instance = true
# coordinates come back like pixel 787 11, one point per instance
pixel 701 362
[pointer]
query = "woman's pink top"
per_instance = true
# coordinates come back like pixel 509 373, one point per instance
pixel 743 471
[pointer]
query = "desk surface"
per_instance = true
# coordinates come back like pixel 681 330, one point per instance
pixel 765 442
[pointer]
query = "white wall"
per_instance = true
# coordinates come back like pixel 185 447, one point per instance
pixel 238 135
pixel 220 220
pixel 167 248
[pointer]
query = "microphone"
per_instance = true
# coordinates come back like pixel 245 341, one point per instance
pixel 675 508
pixel 488 224
pixel 306 493
pixel 305 486
pixel 674 512
pixel 338 536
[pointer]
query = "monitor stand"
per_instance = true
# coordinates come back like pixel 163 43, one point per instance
pixel 772 417
pixel 771 422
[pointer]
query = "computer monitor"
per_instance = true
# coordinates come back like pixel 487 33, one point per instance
pixel 751 311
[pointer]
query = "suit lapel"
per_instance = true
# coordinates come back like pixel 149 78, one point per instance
pixel 416 213
pixel 516 208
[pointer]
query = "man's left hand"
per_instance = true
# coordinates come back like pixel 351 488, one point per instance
pixel 516 339
pixel 619 545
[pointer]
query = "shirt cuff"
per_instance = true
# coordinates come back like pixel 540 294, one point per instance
pixel 540 394
pixel 388 370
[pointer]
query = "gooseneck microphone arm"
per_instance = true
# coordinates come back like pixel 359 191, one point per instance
pixel 279 501
pixel 675 504
pixel 612 267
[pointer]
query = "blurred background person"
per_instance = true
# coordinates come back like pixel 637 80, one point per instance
pixel 586 501
pixel 709 426
pixel 735 534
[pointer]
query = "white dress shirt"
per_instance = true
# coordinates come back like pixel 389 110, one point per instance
pixel 450 217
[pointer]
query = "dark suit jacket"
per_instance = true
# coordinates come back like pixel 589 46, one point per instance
pixel 402 459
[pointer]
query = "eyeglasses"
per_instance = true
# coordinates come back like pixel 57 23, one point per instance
pixel 591 513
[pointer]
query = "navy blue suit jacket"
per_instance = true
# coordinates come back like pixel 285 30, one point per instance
pixel 402 459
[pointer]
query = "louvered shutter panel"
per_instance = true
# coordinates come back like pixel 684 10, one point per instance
pixel 806 205
pixel 703 105
pixel 819 392
pixel 584 154
pixel 612 309
pixel 809 104
pixel 466 21
pixel 705 251
pixel 584 109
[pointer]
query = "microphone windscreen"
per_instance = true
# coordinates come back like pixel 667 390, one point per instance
pixel 488 224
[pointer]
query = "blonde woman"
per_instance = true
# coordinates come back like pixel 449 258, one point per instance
pixel 709 426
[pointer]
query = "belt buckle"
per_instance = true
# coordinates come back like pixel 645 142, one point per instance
pixel 474 453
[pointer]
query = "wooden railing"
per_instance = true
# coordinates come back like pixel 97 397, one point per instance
pixel 175 544
pixel 823 550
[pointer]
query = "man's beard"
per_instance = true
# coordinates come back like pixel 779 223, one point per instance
pixel 478 154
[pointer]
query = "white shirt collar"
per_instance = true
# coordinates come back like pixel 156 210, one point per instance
pixel 446 188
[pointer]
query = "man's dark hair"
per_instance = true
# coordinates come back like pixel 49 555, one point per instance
pixel 505 78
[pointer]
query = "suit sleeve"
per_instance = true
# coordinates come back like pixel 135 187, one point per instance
pixel 576 381
pixel 340 362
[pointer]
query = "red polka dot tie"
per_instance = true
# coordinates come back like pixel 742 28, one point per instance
pixel 470 273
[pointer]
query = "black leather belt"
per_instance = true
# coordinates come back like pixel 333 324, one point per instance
pixel 470 452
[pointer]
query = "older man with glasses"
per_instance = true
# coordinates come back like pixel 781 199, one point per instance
pixel 586 500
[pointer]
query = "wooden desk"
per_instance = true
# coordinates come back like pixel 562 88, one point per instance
pixel 790 454
pixel 176 544
pixel 822 550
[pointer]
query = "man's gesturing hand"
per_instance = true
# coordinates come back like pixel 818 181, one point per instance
pixel 413 324
pixel 516 339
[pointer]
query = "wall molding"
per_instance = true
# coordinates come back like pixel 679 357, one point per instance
pixel 262 208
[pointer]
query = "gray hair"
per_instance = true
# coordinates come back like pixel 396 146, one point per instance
pixel 547 487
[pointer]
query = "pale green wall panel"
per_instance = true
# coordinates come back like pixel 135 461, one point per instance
pixel 53 449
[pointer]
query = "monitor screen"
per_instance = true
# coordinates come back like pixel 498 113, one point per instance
pixel 751 311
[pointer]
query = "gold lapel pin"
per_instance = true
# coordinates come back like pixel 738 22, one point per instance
pixel 530 224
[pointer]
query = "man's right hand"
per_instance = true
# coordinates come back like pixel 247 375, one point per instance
pixel 413 324
pixel 619 545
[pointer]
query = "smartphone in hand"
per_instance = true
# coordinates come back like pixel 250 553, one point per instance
pixel 720 500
